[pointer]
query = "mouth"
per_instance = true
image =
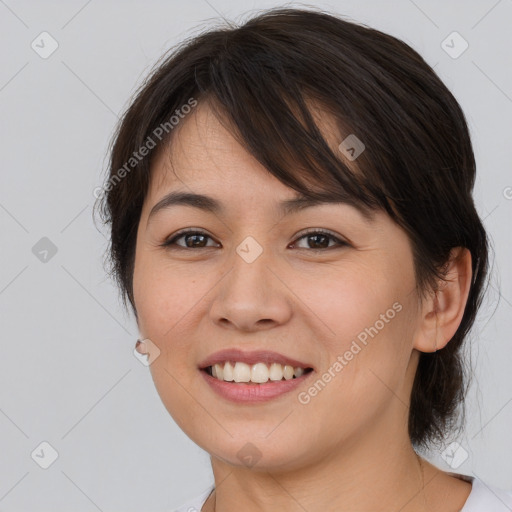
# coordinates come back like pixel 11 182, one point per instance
pixel 241 383
pixel 259 373
pixel 253 377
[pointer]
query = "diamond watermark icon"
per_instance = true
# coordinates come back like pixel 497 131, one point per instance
pixel 249 249
pixel 249 455
pixel 44 45
pixel 352 147
pixel 146 351
pixel 454 455
pixel 44 250
pixel 454 45
pixel 44 455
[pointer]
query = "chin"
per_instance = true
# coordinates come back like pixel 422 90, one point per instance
pixel 257 453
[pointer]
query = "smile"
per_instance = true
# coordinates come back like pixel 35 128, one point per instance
pixel 259 373
pixel 244 391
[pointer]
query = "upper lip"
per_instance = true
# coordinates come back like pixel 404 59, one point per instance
pixel 252 357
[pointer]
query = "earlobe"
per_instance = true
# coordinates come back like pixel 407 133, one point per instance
pixel 443 311
pixel 141 348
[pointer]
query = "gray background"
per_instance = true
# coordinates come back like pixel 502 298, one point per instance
pixel 68 374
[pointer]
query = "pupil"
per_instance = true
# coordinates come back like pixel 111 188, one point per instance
pixel 316 237
pixel 193 244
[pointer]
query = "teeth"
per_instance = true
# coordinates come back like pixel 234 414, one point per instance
pixel 218 371
pixel 298 371
pixel 288 372
pixel 257 373
pixel 242 372
pixel 228 372
pixel 276 371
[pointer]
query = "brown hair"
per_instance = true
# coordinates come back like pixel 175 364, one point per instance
pixel 418 164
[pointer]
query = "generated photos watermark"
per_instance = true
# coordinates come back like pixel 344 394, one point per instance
pixel 137 156
pixel 343 360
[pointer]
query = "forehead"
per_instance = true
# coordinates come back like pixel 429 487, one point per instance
pixel 204 158
pixel 203 148
pixel 204 152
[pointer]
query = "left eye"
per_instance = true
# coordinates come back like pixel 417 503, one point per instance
pixel 319 238
pixel 196 239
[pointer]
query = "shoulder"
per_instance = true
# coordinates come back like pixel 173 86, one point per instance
pixel 195 504
pixel 487 498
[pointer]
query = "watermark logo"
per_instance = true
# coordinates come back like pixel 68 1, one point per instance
pixel 249 249
pixel 44 455
pixel 137 156
pixel 44 45
pixel 454 45
pixel 44 250
pixel 454 455
pixel 351 147
pixel 146 351
pixel 249 455
pixel 343 360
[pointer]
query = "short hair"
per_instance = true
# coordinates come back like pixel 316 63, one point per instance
pixel 262 79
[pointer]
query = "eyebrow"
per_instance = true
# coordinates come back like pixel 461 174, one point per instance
pixel 211 205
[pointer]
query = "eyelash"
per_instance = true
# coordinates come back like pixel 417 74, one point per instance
pixel 171 242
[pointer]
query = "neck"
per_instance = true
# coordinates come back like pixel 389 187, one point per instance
pixel 377 478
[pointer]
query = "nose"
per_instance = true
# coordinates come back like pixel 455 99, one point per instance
pixel 251 297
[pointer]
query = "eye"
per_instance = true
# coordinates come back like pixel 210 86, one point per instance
pixel 193 239
pixel 197 239
pixel 319 238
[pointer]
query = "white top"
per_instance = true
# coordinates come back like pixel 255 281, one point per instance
pixel 482 498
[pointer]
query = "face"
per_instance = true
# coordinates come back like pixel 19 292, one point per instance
pixel 320 288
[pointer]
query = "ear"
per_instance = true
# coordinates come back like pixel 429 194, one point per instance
pixel 141 347
pixel 442 312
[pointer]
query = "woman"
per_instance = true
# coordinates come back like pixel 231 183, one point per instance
pixel 293 226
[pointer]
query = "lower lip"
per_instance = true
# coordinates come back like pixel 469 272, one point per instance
pixel 245 392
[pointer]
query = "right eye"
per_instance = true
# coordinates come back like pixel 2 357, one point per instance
pixel 193 239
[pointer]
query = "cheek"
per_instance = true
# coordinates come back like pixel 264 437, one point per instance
pixel 166 295
pixel 370 320
pixel 353 302
pixel 363 379
pixel 167 300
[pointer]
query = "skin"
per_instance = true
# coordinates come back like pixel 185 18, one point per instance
pixel 348 448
